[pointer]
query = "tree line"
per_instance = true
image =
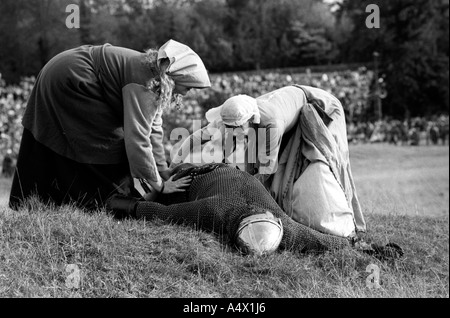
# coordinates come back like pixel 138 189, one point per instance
pixel 240 35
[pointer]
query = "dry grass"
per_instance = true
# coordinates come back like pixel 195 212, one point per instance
pixel 138 259
pixel 402 180
pixel 141 259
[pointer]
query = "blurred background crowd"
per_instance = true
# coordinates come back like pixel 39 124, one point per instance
pixel 414 132
pixel 393 81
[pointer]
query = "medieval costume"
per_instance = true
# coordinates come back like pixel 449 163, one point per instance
pixel 298 150
pixel 223 200
pixel 92 124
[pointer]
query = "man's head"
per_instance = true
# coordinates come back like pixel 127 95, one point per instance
pixel 259 234
pixel 176 168
pixel 188 169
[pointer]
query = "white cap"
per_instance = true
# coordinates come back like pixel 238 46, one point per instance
pixel 236 111
pixel 259 234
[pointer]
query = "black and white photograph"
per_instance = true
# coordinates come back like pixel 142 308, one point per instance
pixel 224 155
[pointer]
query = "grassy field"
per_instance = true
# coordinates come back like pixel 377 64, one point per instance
pixel 402 180
pixel 404 193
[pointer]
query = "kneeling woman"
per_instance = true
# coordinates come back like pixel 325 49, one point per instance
pixel 295 143
pixel 93 122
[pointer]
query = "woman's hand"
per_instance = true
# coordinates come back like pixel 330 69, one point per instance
pixel 171 186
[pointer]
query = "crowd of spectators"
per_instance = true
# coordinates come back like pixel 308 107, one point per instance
pixel 413 132
pixel 352 87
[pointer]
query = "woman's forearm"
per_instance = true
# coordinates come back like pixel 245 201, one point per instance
pixel 157 185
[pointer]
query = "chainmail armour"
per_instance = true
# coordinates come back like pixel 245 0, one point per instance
pixel 220 197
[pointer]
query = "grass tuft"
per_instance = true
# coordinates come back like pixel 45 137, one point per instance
pixel 141 259
pixel 135 258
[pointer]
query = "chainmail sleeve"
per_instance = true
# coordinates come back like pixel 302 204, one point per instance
pixel 220 199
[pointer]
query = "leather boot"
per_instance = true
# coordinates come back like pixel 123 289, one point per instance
pixel 122 207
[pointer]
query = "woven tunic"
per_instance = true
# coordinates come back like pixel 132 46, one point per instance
pixel 220 197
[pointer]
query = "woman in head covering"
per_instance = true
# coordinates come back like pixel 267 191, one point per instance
pixel 285 133
pixel 93 123
pixel 267 118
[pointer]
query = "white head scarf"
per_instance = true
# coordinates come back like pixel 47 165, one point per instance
pixel 236 111
pixel 186 68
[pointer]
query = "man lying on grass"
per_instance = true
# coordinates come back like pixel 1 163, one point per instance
pixel 227 201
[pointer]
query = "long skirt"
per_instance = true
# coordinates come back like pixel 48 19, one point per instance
pixel 58 180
